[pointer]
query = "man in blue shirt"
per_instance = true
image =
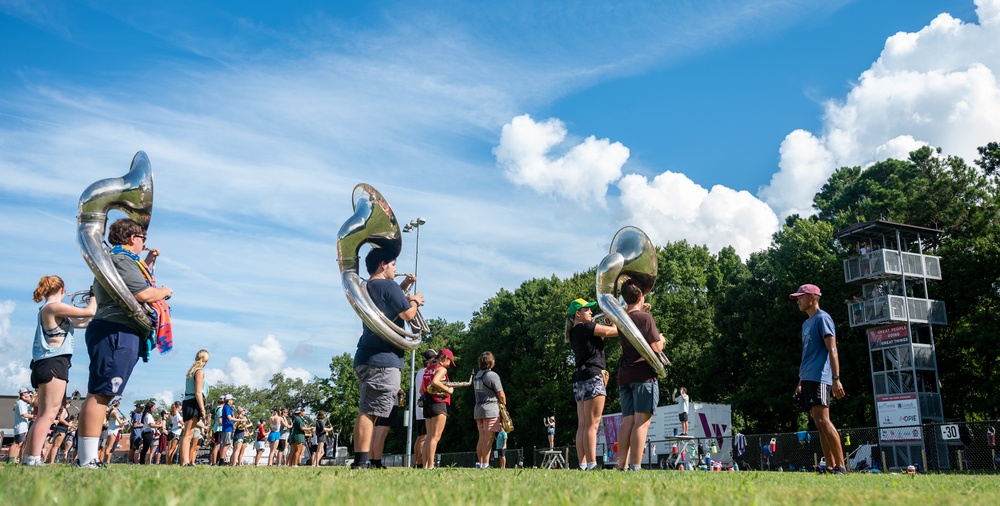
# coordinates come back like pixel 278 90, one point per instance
pixel 819 373
pixel 378 363
pixel 228 420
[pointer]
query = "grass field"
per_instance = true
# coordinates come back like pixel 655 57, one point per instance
pixel 123 485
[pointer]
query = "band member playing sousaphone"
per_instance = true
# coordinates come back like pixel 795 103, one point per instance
pixel 378 363
pixel 590 377
pixel 637 385
pixel 436 406
pixel 115 340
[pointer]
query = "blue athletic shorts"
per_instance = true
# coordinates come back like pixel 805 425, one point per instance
pixel 114 351
pixel 640 397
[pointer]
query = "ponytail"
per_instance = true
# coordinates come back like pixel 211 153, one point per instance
pixel 200 359
pixel 48 285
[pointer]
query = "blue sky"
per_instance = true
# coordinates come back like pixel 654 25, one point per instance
pixel 525 133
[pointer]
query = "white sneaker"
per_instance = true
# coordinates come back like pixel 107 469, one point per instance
pixel 93 464
pixel 34 463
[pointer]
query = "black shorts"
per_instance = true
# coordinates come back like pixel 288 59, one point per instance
pixel 171 436
pixel 189 410
pixel 19 438
pixel 388 421
pixel 47 369
pixel 434 409
pixel 682 416
pixel 815 393
pixel 421 427
pixel 282 443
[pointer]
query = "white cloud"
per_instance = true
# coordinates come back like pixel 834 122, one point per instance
pixel 581 174
pixel 262 361
pixel 936 87
pixel 14 374
pixel 804 168
pixel 165 397
pixel 672 208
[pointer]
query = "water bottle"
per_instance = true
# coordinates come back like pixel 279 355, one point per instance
pixel 774 444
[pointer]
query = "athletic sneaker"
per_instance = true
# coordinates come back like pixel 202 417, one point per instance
pixel 93 464
pixel 34 463
pixel 839 470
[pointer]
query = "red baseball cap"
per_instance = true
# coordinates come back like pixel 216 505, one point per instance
pixel 451 356
pixel 804 289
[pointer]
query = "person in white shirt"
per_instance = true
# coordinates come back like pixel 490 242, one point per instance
pixel 682 414
pixel 22 413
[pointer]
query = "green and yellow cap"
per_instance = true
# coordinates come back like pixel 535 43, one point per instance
pixel 579 304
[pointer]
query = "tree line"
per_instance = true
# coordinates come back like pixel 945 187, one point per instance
pixel 731 331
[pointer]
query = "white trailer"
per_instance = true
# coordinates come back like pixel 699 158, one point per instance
pixel 708 424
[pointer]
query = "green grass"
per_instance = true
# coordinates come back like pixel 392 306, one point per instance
pixel 123 485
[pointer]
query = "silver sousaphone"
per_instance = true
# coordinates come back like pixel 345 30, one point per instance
pixel 131 194
pixel 374 223
pixel 632 256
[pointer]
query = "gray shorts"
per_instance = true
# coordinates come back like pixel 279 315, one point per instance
pixel 641 397
pixel 378 386
pixel 227 439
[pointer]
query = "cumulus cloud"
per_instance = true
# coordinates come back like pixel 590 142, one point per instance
pixel 262 361
pixel 581 174
pixel 13 373
pixel 936 87
pixel 671 207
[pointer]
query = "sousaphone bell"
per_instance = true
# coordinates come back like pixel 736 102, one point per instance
pixel 631 256
pixel 374 223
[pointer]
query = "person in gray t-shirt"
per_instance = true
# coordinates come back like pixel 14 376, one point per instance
pixel 114 339
pixel 489 396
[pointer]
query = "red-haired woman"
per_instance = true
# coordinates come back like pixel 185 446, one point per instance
pixel 50 357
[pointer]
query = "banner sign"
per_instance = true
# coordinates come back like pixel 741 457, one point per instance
pixel 898 418
pixel 888 336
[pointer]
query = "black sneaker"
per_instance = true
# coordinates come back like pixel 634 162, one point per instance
pixel 839 470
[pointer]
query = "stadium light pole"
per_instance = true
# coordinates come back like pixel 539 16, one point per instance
pixel 410 414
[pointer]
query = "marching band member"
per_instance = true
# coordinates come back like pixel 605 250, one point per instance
pixel 436 406
pixel 114 339
pixel 589 380
pixel 193 406
pixel 50 358
pixel 637 385
pixel 489 396
pixel 378 363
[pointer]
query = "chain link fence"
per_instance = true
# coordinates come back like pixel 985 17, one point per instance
pixel 940 447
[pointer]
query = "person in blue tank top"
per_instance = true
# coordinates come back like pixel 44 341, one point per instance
pixel 819 373
pixel 193 406
pixel 50 358
pixel 378 363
